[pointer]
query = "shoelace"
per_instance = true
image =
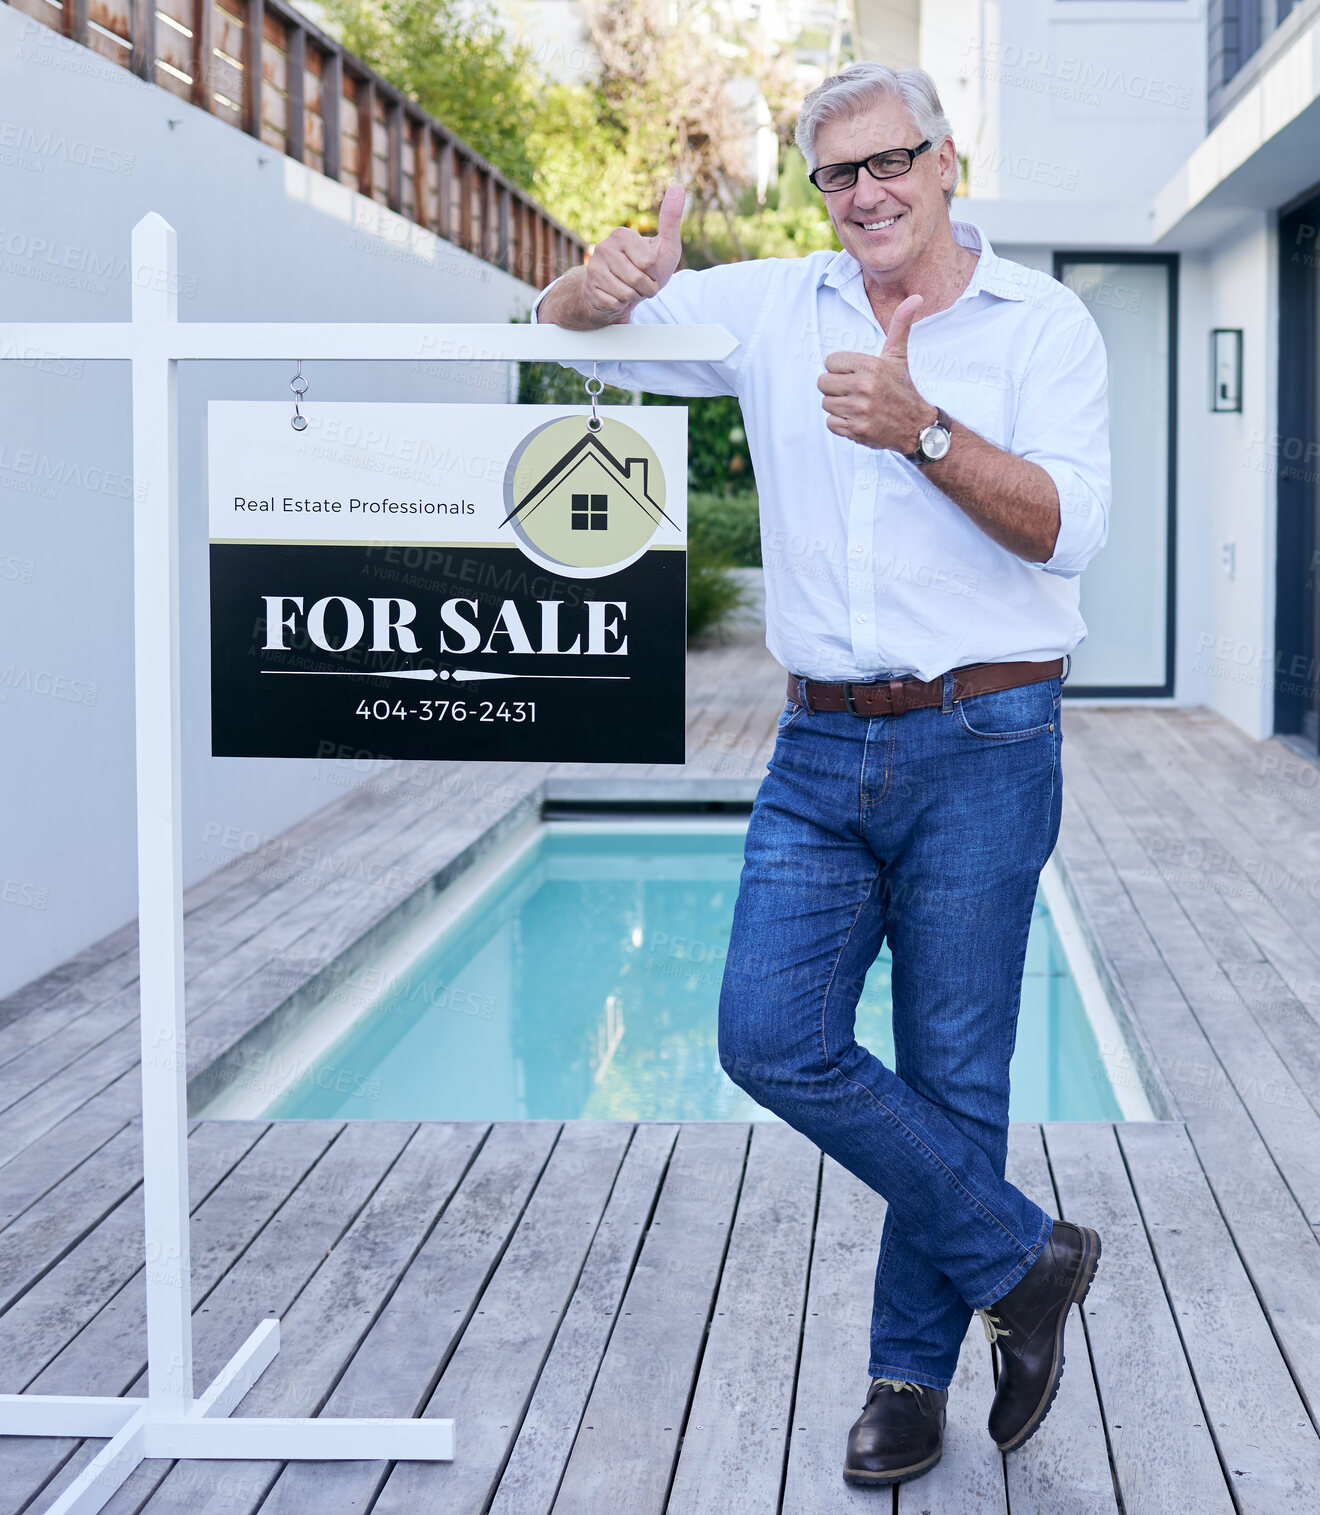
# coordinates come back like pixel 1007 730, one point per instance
pixel 897 1384
pixel 994 1328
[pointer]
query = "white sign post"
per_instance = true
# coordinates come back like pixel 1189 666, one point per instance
pixel 172 1422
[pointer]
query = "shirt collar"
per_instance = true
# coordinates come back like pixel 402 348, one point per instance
pixel 993 274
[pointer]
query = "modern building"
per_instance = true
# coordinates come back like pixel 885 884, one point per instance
pixel 1163 158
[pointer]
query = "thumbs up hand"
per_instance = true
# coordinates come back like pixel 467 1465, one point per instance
pixel 626 267
pixel 872 400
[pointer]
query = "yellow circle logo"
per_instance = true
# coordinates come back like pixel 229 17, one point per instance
pixel 582 498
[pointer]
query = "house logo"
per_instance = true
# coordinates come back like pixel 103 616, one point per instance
pixel 582 499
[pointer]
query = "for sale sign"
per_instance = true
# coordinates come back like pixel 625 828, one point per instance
pixel 448 581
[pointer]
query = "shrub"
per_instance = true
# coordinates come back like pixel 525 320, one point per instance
pixel 725 528
pixel 713 593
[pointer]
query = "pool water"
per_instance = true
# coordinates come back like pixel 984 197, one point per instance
pixel 583 982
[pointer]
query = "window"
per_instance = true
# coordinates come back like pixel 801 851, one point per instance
pixel 589 512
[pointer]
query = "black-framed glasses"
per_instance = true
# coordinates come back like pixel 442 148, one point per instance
pixel 889 164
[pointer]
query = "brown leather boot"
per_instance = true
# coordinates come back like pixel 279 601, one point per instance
pixel 1026 1326
pixel 899 1434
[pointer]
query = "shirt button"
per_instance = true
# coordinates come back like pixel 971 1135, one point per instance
pixel 861 620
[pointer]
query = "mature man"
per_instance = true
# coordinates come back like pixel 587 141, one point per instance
pixel 928 427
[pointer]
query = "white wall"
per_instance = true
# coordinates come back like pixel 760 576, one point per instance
pixel 86 149
pixel 1070 102
pixel 1234 646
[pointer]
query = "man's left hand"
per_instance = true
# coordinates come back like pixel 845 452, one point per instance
pixel 872 400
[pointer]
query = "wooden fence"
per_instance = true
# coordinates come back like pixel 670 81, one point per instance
pixel 262 66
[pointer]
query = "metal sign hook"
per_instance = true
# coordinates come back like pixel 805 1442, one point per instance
pixel 593 420
pixel 299 386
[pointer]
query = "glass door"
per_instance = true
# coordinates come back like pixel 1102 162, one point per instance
pixel 1128 590
pixel 1295 451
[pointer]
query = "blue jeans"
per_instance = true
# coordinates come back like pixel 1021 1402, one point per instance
pixel 929 830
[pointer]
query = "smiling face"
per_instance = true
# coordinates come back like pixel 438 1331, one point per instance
pixel 888 225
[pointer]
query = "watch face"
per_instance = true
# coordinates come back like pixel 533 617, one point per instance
pixel 934 443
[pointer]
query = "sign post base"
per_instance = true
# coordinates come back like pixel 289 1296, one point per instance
pixel 138 1430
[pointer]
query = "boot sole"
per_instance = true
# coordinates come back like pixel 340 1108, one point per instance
pixel 863 1480
pixel 1081 1286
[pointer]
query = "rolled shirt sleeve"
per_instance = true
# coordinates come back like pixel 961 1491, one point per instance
pixel 732 295
pixel 1062 425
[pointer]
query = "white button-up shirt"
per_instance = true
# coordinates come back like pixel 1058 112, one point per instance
pixel 870 569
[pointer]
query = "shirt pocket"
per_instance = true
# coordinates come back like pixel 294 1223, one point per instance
pixel 977 393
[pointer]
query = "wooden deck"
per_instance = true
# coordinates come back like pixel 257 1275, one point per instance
pixel 660 1318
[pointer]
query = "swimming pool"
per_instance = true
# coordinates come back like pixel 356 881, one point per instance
pixel 575 974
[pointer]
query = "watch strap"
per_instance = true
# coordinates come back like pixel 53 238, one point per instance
pixel 941 419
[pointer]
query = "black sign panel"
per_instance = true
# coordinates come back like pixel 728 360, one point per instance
pixel 444 651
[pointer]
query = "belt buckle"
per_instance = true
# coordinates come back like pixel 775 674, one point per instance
pixel 848 699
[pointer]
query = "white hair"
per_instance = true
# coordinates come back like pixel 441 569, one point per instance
pixel 854 88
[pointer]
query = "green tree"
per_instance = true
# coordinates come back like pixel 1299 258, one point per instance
pixel 458 62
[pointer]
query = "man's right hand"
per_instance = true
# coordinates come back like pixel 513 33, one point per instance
pixel 624 269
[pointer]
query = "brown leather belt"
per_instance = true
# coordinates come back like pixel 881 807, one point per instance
pixel 897 696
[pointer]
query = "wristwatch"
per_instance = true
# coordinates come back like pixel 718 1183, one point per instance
pixel 934 440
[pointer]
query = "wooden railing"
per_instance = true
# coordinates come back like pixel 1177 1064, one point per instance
pixel 267 70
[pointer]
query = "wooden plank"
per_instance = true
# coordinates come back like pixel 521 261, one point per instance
pixel 60 1219
pixel 332 96
pixel 1174 1035
pixel 202 70
pixel 30 1118
pixel 143 61
pixel 227 81
pixel 832 1374
pixel 25 1073
pixel 70 1005
pixel 1269 1228
pixel 1166 826
pixel 266 1281
pixel 970 1474
pixel 444 150
pixel 254 41
pixel 397 1366
pixel 1182 826
pixel 53 1104
pixel 540 1454
pixel 112 1348
pixel 297 93
pixel 365 157
pixel 108 1356
pixel 490 1378
pixel 337 1306
pixel 1258 872
pixel 1064 1468
pixel 1164 1456
pixel 733 1448
pixel 1187 848
pixel 394 129
pixel 1246 1060
pixel 324 923
pixel 337 1309
pixel 37 1326
pixel 1268 1445
pixel 1108 919
pixel 97 957
pixel 37 1168
pixel 631 1429
pixel 382 905
pixel 230 36
pixel 1288 1023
